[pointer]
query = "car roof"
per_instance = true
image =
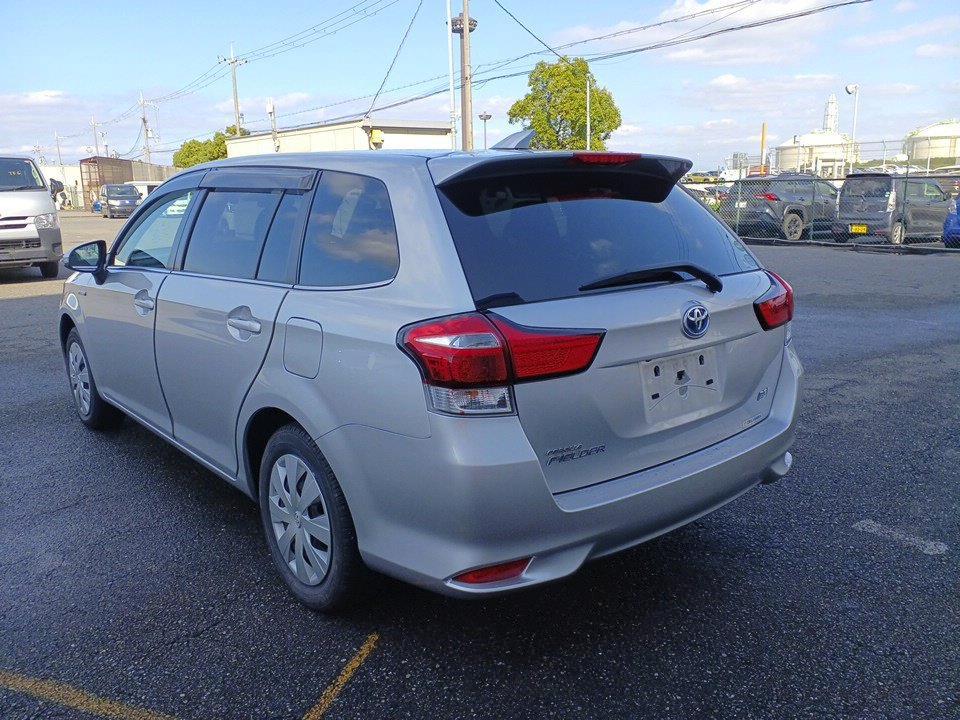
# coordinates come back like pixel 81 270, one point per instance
pixel 318 160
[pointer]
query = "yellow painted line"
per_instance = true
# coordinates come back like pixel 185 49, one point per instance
pixel 335 688
pixel 70 697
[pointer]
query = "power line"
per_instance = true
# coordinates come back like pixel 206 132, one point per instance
pixel 530 32
pixel 395 56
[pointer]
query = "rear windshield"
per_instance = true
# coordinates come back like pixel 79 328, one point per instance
pixel 870 187
pixel 535 237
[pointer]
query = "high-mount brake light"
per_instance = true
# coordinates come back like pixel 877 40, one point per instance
pixel 469 362
pixel 605 158
pixel 775 307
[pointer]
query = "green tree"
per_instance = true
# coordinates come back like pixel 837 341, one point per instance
pixel 194 152
pixel 556 107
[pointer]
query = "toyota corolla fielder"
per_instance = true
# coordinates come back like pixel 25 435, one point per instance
pixel 470 371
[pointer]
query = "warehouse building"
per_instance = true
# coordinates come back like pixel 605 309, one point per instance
pixel 360 134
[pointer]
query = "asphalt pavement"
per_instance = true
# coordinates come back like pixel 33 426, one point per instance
pixel 131 575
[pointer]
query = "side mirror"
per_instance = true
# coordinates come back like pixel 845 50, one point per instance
pixel 90 257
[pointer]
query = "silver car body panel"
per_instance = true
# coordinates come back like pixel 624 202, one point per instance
pixel 433 495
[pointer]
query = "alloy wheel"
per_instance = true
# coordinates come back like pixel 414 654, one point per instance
pixel 298 514
pixel 793 227
pixel 79 378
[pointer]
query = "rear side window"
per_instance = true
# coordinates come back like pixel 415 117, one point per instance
pixel 351 238
pixel 230 232
pixel 541 236
pixel 282 239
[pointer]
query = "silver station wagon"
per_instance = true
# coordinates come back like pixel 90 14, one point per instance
pixel 470 371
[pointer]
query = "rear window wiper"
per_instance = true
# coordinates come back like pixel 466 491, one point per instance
pixel 660 273
pixel 499 300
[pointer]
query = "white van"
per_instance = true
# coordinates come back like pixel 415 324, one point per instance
pixel 29 224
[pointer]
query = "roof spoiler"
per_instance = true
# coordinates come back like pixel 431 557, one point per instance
pixel 520 140
pixel 643 177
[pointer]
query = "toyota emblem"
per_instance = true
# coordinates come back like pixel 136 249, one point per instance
pixel 696 320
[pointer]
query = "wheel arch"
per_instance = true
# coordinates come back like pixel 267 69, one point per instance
pixel 66 325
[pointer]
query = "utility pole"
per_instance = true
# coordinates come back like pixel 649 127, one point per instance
pixel 463 26
pixel 453 94
pixel 588 107
pixel 272 113
pixel 233 61
pixel 63 173
pixel 96 135
pixel 146 131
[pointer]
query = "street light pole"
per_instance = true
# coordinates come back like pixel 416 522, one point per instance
pixel 453 94
pixel 854 89
pixel 485 116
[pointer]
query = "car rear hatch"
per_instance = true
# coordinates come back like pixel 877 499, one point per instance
pixel 533 231
pixel 865 196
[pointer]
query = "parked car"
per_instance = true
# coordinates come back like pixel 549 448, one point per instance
pixel 892 208
pixel 788 205
pixel 29 223
pixel 951 226
pixel 473 372
pixel 118 200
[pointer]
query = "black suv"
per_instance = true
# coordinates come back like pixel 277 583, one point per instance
pixel 894 208
pixel 788 205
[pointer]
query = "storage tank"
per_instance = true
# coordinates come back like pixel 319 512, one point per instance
pixel 939 140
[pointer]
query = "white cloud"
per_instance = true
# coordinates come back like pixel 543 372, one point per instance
pixel 935 50
pixel 904 6
pixel 787 40
pixel 935 26
pixel 895 89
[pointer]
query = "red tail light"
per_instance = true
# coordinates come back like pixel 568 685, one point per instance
pixel 538 353
pixel 605 158
pixel 775 307
pixel 772 197
pixel 493 573
pixel 469 361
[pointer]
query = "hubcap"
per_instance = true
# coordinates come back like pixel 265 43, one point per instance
pixel 298 515
pixel 794 228
pixel 79 378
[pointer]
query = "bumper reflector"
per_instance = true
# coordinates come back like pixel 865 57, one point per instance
pixel 494 573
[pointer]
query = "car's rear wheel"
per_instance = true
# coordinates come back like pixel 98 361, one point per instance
pixel 94 411
pixel 49 269
pixel 792 227
pixel 897 234
pixel 307 524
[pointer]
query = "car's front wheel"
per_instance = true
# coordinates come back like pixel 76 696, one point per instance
pixel 50 270
pixel 307 524
pixel 94 411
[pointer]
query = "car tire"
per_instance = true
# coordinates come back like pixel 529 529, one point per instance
pixel 898 234
pixel 792 227
pixel 308 523
pixel 49 270
pixel 95 412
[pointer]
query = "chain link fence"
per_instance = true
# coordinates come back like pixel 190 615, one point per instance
pixel 865 194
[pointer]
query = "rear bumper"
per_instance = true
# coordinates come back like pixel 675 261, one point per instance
pixel 30 246
pixel 471 496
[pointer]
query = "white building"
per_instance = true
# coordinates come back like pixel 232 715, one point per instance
pixel 939 140
pixel 826 152
pixel 361 134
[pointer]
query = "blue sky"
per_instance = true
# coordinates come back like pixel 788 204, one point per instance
pixel 702 100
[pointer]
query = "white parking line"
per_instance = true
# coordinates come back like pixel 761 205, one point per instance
pixel 929 547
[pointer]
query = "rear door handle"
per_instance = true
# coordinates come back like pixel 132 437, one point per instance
pixel 251 326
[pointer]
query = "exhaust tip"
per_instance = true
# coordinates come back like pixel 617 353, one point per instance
pixel 777 469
